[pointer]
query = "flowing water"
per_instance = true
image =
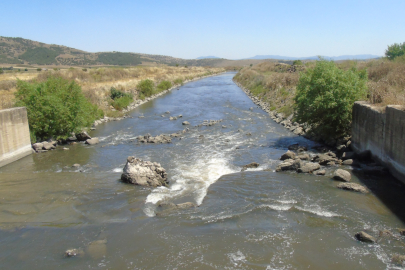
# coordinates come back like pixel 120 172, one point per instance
pixel 257 219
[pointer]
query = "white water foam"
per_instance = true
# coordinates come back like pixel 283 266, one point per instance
pixel 237 257
pixel 276 207
pixel 317 211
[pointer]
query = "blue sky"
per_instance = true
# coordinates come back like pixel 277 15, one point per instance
pixel 229 29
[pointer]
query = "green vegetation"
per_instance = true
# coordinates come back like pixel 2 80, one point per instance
pixel 297 63
pixel 1 71
pixel 145 88
pixel 164 85
pixel 41 55
pixel 120 100
pixel 121 59
pixel 395 50
pixel 55 107
pixel 178 81
pixel 325 96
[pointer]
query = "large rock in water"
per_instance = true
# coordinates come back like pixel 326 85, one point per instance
pixel 250 166
pixel 364 237
pixel 342 175
pixel 144 173
pixel 352 187
pixel 309 167
pixel 83 136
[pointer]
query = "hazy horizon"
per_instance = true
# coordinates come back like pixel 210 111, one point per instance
pixel 226 29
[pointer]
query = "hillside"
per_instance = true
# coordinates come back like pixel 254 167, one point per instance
pixel 19 51
pixel 334 58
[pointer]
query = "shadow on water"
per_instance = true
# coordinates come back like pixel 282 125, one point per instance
pixel 389 190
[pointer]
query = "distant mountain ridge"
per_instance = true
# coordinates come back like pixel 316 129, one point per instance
pixel 208 57
pixel 335 58
pixel 17 51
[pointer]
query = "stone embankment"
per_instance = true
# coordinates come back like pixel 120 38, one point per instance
pixel 381 133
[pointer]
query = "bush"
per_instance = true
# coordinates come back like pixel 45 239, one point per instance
pixel 84 69
pixel 178 81
pixel 145 87
pixel 26 69
pixel 1 71
pixel 297 63
pixel 164 85
pixel 56 107
pixel 395 50
pixel 116 93
pixel 39 69
pixel 122 102
pixel 325 96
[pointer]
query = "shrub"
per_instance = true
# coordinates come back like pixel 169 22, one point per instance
pixel 395 50
pixel 145 87
pixel 325 96
pixel 116 93
pixel 178 81
pixel 84 69
pixel 297 63
pixel 164 85
pixel 55 107
pixel 122 102
pixel 39 69
pixel 1 71
pixel 26 69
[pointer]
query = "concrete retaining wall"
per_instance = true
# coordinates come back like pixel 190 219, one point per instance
pixel 382 133
pixel 15 140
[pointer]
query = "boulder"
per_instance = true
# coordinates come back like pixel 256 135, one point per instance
pixel 364 237
pixel 37 146
pixel 303 157
pixel 47 146
pixel 74 252
pixel 323 159
pixel 319 172
pixel 83 136
pixel 144 173
pixel 76 165
pixel 342 175
pixel 289 164
pixel 309 167
pixel 92 141
pixel 352 187
pixel 401 232
pixel 250 166
pixel 348 162
pixel 288 155
pixel 186 123
pixel 348 155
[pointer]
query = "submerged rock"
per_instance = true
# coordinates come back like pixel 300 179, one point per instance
pixel 352 187
pixel 74 252
pixel 250 166
pixel 364 237
pixel 144 173
pixel 342 175
pixel 319 172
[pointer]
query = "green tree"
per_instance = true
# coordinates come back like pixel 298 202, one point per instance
pixel 325 96
pixel 55 107
pixel 395 50
pixel 297 63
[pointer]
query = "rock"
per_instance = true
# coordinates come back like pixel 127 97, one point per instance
pixel 342 175
pixel 180 116
pixel 303 157
pixel 352 187
pixel 37 146
pixel 401 232
pixel 323 159
pixel 364 237
pixel 144 173
pixel 299 131
pixel 250 166
pixel 76 165
pixel 297 147
pixel 64 148
pixel 72 139
pixel 223 126
pixel 251 108
pixel 73 252
pixel 288 155
pixel 398 259
pixel 141 116
pixel 186 123
pixel 248 134
pixel 309 167
pixel 289 164
pixel 319 172
pixel 167 112
pixel 83 136
pixel 348 162
pixel 185 205
pixel 47 146
pixel 92 141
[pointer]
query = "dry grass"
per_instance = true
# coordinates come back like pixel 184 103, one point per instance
pixel 97 82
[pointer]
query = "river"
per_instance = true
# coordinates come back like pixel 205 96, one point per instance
pixel 257 219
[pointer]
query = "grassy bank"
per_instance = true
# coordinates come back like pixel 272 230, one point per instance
pixel 276 84
pixel 97 82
